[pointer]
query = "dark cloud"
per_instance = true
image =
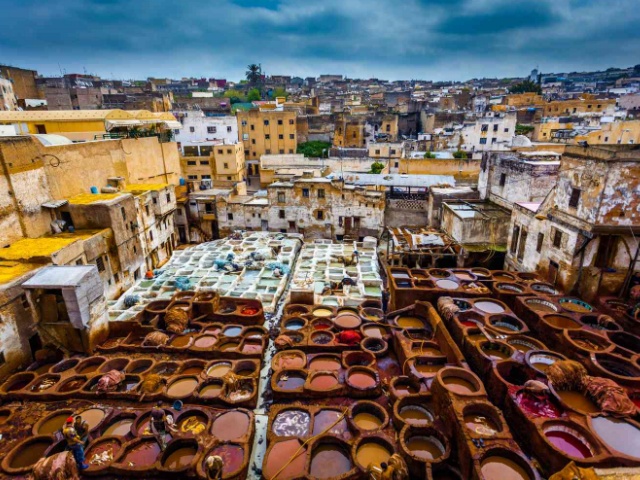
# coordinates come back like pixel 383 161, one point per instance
pixel 437 39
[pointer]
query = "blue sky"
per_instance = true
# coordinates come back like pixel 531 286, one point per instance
pixel 391 39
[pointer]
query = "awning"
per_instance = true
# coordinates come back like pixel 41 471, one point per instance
pixel 55 203
pixel 122 123
pixel 173 124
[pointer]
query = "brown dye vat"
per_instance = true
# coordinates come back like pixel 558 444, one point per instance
pixel 428 369
pixel 28 453
pixel 182 387
pixel 219 369
pixel 181 341
pixel 41 369
pixel 195 370
pixel 359 358
pixel 180 458
pixel 426 448
pixel 139 366
pixel 289 360
pixel 488 306
pixel 232 459
pixel 144 454
pixel 361 379
pixel 416 415
pixel 325 418
pixel 324 363
pixel 347 320
pixel 408 321
pixel 89 366
pixel 374 331
pixel 251 347
pixel 496 351
pixel 114 364
pixel 562 321
pixel 498 467
pixel 440 273
pixel 509 287
pixel 618 434
pixel 476 337
pixel 541 306
pixel 226 346
pixel 64 365
pixel 291 423
pixel 93 416
pixel 110 445
pixel 541 360
pixel 626 340
pixel 291 380
pixel 404 388
pixel 329 460
pixel 205 341
pixel 367 421
pixel 503 276
pixel 577 401
pixel 211 390
pixel 245 369
pixel 323 382
pixel 575 306
pixel 588 341
pixel 459 385
pixel 481 424
pixel 279 459
pixel 44 382
pixel 506 323
pixel 119 428
pixel 616 365
pixel 372 452
pixel 231 425
pixel 524 344
pixel 73 383
pixel 53 423
pixel 372 314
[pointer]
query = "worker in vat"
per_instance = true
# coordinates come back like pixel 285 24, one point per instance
pixel 346 284
pixel 385 299
pixel 82 429
pixel 214 466
pixel 74 443
pixel 158 425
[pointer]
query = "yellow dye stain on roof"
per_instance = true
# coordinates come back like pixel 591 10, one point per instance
pixel 89 198
pixel 144 187
pixel 29 248
pixel 10 271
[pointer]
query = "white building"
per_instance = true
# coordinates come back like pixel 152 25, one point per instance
pixel 491 131
pixel 199 133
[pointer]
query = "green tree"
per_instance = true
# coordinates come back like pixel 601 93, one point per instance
pixel 254 74
pixel 234 96
pixel 314 148
pixel 429 155
pixel 459 154
pixel 525 86
pixel 523 129
pixel 279 92
pixel 377 167
pixel 254 95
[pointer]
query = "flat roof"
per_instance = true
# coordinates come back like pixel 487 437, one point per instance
pixel 89 198
pixel 59 276
pixel 29 248
pixel 398 180
pixel 145 187
pixel 10 271
pixel 63 115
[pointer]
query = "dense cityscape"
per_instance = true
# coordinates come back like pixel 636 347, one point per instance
pixel 320 277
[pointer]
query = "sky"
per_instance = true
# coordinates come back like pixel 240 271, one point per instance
pixel 386 39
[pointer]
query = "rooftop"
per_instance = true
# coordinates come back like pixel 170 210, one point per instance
pixel 32 248
pixel 89 198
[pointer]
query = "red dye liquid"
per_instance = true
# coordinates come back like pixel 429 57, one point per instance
pixel 467 323
pixel 249 311
pixel 232 457
pixel 534 406
pixel 321 326
pixel 567 443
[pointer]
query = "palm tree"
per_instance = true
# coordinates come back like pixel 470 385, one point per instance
pixel 254 74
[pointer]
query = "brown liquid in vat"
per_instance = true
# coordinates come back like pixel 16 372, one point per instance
pixel 503 469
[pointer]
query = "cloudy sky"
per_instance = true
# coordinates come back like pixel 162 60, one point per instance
pixel 391 39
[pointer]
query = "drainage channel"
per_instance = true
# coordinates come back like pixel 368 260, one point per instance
pixel 261 416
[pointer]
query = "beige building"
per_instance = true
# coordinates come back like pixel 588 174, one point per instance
pixel 586 104
pixel 7 96
pixel 265 132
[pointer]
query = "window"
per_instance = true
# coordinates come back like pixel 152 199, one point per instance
pixel 305 192
pixel 281 213
pixel 228 178
pixel 23 297
pixel 514 239
pixel 253 127
pixel 244 123
pixel 557 238
pixel 245 136
pixel 484 127
pixel 268 151
pixel 392 152
pixel 2 360
pixel 606 139
pixel 192 177
pixel 321 193
pixel 483 141
pixel 228 129
pixel 495 127
pixel 246 153
pixel 206 177
pixel 540 242
pixel 151 235
pixel 280 137
pixel 377 152
pixel 494 140
pixel 208 207
pixel 229 216
pixel 253 141
pixel 116 278
pixel 397 164
pixel 281 151
pixel 281 197
pixel 212 129
pixel 506 130
pixel 290 122
pixel 146 209
pixel 292 136
pixel 267 137
pixel 100 264
pixel 229 151
pixel 575 198
pixel 523 244
pixel 320 215
pixel 192 129
pixel 266 123
pixel 191 162
pixel 340 221
pixel 291 150
pixel 220 151
pixel 503 179
pixel 204 162
pixel 225 165
pixel 279 122
pixel 124 213
pixel 168 198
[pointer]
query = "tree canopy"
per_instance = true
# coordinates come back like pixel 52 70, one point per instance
pixel 525 86
pixel 254 74
pixel 314 148
pixel 254 95
pixel 279 92
pixel 377 167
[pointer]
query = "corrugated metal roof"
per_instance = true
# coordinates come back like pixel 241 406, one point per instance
pixel 55 203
